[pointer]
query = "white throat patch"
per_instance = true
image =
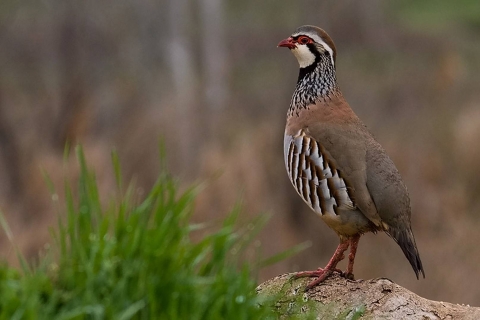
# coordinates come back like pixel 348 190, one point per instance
pixel 304 56
pixel 318 40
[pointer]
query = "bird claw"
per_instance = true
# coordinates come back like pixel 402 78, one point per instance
pixel 317 273
pixel 321 274
pixel 348 276
pixel 319 280
pixel 310 274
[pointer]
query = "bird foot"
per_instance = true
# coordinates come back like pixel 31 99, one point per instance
pixel 348 275
pixel 317 273
pixel 320 273
pixel 331 267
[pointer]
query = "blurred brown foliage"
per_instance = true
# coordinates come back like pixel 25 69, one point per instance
pixel 207 77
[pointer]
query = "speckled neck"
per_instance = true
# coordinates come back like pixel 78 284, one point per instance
pixel 315 82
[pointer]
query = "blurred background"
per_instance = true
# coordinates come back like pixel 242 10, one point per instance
pixel 207 77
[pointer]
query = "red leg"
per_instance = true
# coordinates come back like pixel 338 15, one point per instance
pixel 322 274
pixel 351 256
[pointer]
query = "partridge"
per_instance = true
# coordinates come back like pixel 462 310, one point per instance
pixel 335 164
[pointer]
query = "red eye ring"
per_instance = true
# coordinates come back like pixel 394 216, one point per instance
pixel 303 40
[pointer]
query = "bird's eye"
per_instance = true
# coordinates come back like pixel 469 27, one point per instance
pixel 303 40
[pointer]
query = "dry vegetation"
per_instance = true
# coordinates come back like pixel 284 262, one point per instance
pixel 207 77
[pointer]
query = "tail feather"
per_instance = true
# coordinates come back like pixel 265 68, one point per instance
pixel 405 239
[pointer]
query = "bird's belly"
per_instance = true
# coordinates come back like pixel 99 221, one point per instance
pixel 348 222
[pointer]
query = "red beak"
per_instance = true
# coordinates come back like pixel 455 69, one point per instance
pixel 289 43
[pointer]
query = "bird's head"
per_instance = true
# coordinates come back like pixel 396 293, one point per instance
pixel 310 44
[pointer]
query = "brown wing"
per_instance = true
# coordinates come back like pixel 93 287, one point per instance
pixel 346 147
pixel 387 188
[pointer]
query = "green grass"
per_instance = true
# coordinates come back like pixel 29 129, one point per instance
pixel 129 259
